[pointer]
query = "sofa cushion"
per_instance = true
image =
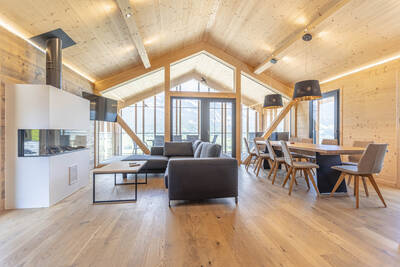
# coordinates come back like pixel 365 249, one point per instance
pixel 195 144
pixel 178 149
pixel 210 150
pixel 153 162
pixel 197 152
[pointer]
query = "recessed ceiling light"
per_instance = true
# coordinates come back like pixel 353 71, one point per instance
pixel 128 15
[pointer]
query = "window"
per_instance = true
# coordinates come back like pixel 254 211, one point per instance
pixel 324 117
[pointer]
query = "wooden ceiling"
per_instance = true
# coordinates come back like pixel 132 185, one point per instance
pixel 359 32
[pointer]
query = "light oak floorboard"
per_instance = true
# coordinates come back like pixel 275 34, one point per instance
pixel 266 228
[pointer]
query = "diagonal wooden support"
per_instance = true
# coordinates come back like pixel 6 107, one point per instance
pixel 278 119
pixel 132 135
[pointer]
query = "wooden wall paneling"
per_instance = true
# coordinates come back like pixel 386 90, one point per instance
pixel 132 135
pixel 167 103
pixel 369 107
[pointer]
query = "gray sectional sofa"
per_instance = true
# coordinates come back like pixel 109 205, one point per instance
pixel 193 170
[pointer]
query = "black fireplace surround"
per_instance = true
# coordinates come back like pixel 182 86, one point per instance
pixel 49 142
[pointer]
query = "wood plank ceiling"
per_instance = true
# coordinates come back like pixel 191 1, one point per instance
pixel 356 34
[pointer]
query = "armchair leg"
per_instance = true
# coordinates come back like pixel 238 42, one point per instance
pixel 339 181
pixel 365 186
pixel 169 203
pixel 349 181
pixel 372 180
pixel 292 181
pixel 313 182
pixel 356 190
pixel 236 200
pixel 287 177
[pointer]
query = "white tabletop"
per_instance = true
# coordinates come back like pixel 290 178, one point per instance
pixel 120 167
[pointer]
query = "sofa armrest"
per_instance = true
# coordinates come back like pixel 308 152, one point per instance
pixel 202 178
pixel 157 151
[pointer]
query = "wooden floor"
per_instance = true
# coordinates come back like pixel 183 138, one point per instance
pixel 267 228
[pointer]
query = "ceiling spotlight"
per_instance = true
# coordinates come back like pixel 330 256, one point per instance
pixel 307 37
pixel 273 60
pixel 128 15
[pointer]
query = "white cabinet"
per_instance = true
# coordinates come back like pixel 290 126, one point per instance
pixel 42 181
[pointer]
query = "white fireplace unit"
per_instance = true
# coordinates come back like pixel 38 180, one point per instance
pixel 43 180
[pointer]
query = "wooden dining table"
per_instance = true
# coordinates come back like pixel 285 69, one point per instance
pixel 326 156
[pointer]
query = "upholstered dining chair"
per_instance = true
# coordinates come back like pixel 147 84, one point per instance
pixel 329 142
pixel 354 159
pixel 260 155
pixel 276 161
pixel 371 162
pixel 251 154
pixel 295 166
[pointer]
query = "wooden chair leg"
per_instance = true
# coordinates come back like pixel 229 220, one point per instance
pixel 247 162
pixel 275 170
pixel 375 185
pixel 256 164
pixel 356 189
pixel 259 166
pixel 349 181
pixel 313 181
pixel 285 166
pixel 271 171
pixel 306 177
pixel 339 181
pixel 292 181
pixel 365 186
pixel 287 176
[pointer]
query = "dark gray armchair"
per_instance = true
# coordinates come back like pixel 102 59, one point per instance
pixel 202 178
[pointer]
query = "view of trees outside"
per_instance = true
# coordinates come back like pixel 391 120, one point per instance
pixel 185 120
pixel 149 128
pixel 324 118
pixel 221 125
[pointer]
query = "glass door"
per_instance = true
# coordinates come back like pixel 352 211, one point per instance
pixel 324 117
pixel 220 125
pixel 211 120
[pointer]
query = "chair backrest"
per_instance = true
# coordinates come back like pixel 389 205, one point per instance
pixel 329 142
pixel 177 138
pixel 356 158
pixel 158 140
pixel 306 140
pixel 246 143
pixel 372 159
pixel 286 153
pixel 258 148
pixel 271 150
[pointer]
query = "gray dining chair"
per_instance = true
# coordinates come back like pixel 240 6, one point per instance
pixel 260 155
pixel 276 161
pixel 251 154
pixel 333 142
pixel 371 162
pixel 354 159
pixel 295 166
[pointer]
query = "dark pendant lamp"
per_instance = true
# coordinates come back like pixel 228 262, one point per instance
pixel 273 101
pixel 307 90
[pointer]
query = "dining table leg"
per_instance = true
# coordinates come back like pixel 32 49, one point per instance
pixel 326 176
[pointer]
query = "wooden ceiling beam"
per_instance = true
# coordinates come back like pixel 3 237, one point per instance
pixel 323 15
pixel 135 72
pixel 129 18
